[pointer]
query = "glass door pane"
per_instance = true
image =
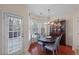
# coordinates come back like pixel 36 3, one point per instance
pixel 15 40
pixel 11 34
pixel 10 23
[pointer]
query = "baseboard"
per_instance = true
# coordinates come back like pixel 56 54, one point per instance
pixel 69 45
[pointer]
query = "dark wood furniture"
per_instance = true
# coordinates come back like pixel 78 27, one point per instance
pixel 63 31
pixel 56 31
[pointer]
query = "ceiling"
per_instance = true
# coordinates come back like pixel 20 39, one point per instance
pixel 55 9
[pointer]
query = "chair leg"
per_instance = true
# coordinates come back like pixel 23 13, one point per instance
pixel 53 52
pixel 56 52
pixel 45 51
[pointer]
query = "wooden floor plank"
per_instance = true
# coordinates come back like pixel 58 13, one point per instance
pixel 36 49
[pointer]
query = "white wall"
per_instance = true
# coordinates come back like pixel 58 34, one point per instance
pixel 20 10
pixel 72 31
pixel 69 31
pixel 75 32
pixel 0 34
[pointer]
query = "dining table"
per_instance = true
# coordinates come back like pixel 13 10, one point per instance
pixel 47 39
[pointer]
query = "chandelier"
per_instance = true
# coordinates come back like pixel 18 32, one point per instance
pixel 55 23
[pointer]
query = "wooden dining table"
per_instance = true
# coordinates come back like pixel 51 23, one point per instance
pixel 47 40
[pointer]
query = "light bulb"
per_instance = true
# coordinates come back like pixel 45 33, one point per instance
pixel 52 23
pixel 48 22
pixel 59 24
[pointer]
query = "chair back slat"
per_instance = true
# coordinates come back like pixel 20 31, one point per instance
pixel 57 41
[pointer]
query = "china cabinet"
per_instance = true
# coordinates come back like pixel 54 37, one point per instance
pixel 56 30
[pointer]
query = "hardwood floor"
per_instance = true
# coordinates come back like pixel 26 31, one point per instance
pixel 66 50
pixel 36 49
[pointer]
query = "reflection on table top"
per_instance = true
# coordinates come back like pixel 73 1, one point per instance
pixel 44 39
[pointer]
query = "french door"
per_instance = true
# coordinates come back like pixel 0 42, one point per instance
pixel 13 34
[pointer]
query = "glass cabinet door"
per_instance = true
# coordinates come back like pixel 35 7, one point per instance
pixel 15 40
